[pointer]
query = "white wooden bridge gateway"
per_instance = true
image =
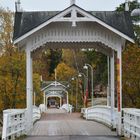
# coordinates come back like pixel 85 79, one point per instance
pixel 73 28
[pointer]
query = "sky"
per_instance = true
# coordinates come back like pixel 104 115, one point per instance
pixel 54 5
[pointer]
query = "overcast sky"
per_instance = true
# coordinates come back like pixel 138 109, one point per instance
pixel 50 5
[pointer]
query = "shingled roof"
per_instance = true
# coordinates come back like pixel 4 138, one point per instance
pixel 26 21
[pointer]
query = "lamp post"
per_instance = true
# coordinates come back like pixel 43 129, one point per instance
pixel 80 75
pixel 86 67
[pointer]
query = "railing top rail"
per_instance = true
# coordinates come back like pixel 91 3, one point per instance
pixel 132 111
pixel 14 111
pixel 100 106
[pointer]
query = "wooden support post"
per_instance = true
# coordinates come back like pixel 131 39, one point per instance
pixel 112 89
pixel 44 99
pixel 46 102
pixel 67 99
pixel 60 101
pixel 108 84
pixel 119 89
pixel 29 88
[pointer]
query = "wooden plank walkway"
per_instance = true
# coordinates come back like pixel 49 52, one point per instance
pixel 64 126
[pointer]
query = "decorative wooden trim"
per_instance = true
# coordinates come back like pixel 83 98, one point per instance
pixel 73 19
pixel 88 35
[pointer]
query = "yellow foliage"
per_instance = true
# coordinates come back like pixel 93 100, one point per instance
pixel 64 72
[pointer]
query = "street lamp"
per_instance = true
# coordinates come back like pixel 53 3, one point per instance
pixel 86 67
pixel 80 75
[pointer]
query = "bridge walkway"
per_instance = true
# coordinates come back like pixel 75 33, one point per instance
pixel 56 124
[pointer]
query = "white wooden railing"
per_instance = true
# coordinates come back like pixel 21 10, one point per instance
pixel 15 122
pixel 36 113
pixel 131 123
pixel 131 119
pixel 101 114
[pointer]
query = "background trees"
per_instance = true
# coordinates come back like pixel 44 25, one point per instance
pixel 131 63
pixel 66 62
pixel 12 68
pixel 131 76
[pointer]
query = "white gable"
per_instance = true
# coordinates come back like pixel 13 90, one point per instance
pixel 73 14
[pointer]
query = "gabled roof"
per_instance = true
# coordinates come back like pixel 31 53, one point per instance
pixel 54 86
pixel 27 21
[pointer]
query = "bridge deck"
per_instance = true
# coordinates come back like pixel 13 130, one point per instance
pixel 58 125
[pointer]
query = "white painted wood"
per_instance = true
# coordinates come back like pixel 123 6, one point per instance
pixel 88 17
pixel 46 102
pixel 29 87
pixel 131 123
pixel 101 114
pixel 112 89
pixel 14 123
pixel 126 5
pixel 67 98
pixel 119 56
pixel 108 84
pixel 72 2
pixel 84 32
pixel 37 112
pixel 44 98
pixel 60 101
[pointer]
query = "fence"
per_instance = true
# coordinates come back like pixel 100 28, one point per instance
pixel 101 114
pixel 15 124
pixel 36 114
pixel 131 122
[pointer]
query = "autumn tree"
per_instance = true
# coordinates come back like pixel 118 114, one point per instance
pixel 130 63
pixel 99 64
pixel 131 76
pixel 45 61
pixel 6 30
pixel 74 58
pixel 36 87
pixel 64 72
pixel 12 68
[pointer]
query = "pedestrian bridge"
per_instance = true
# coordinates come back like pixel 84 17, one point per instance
pixel 73 28
pixel 54 124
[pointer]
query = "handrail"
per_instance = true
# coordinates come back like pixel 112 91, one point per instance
pixel 131 122
pixel 15 122
pixel 36 114
pixel 101 114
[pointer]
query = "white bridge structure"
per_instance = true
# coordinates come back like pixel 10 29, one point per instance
pixel 74 28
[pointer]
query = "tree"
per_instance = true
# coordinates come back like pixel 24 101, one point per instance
pixel 130 63
pixel 6 30
pixel 132 5
pixel 131 76
pixel 99 64
pixel 12 80
pixel 12 68
pixel 74 58
pixel 45 61
pixel 64 72
pixel 37 90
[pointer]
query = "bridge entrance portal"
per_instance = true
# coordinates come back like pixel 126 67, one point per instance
pixel 74 28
